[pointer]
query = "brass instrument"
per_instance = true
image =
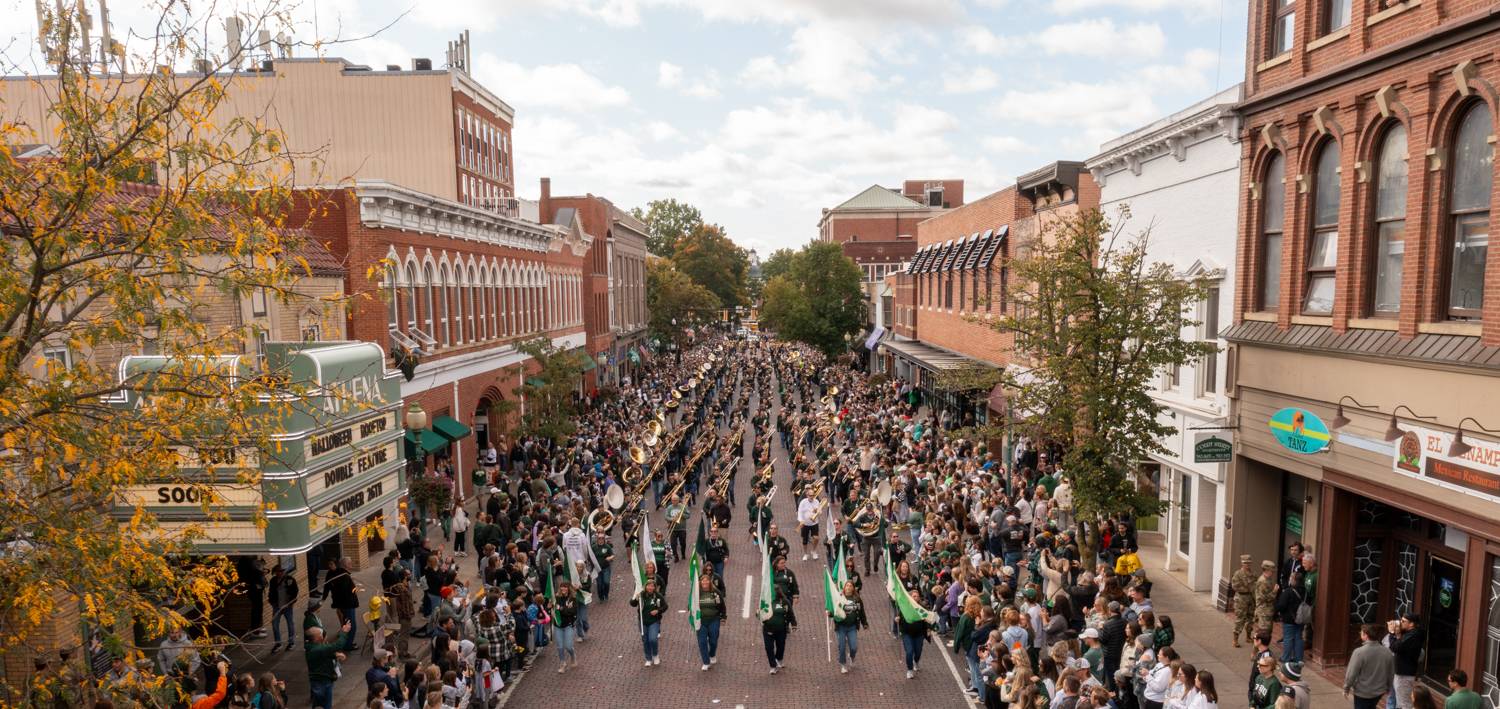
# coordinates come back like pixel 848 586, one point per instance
pixel 638 454
pixel 866 521
pixel 603 519
pixel 765 472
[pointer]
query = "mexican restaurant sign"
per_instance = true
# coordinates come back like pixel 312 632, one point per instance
pixel 1422 453
pixel 334 460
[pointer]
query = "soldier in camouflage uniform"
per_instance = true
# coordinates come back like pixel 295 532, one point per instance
pixel 1265 596
pixel 1243 585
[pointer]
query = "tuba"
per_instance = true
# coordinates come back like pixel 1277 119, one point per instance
pixel 867 520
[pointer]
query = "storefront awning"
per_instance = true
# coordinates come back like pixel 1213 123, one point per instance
pixel 930 357
pixel 450 428
pixel 432 442
pixel 589 363
pixel 996 400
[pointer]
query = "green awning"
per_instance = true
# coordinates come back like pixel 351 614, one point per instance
pixel 432 442
pixel 535 382
pixel 450 428
pixel 588 363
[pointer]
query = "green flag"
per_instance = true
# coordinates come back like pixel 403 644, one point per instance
pixel 911 611
pixel 767 582
pixel 550 591
pixel 637 571
pixel 695 567
pixel 833 596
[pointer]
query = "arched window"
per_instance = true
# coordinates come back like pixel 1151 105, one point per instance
pixel 469 303
pixel 427 297
pixel 393 313
pixel 458 304
pixel 1273 222
pixel 1323 245
pixel 411 297
pixel 505 315
pixel 1390 221
pixel 1471 176
pixel 483 327
pixel 446 337
pixel 494 301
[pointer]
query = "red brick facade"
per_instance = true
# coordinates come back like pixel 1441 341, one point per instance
pixel 1419 66
pixel 483 154
pixel 524 281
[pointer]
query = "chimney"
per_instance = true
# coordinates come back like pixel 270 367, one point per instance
pixel 544 205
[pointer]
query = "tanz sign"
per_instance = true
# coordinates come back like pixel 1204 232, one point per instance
pixel 1299 431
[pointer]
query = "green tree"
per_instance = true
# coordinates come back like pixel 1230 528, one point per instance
pixel 713 261
pixel 549 407
pixel 1095 325
pixel 675 302
pixel 779 262
pixel 668 222
pixel 818 300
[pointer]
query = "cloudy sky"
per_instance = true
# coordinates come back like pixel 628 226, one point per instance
pixel 762 112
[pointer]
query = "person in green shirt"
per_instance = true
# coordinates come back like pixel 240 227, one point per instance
pixel 604 551
pixel 659 552
pixel 1462 697
pixel 774 630
pixel 1266 688
pixel 1048 482
pixel 711 605
pixel 848 627
pixel 323 656
pixel 1095 653
pixel 653 607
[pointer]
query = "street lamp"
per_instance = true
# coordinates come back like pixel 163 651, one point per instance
pixel 416 420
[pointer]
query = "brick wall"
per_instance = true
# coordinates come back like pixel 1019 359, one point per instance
pixel 874 226
pixel 963 328
pixel 1425 97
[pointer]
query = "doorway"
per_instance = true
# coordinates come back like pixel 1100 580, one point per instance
pixel 1444 586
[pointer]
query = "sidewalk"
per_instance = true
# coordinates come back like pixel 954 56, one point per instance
pixel 1203 635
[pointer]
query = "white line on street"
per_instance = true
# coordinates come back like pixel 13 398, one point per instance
pixel 962 686
pixel 749 582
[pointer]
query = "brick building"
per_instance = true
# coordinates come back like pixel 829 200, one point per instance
pixel 614 280
pixel 1367 319
pixel 958 280
pixel 468 286
pixel 878 226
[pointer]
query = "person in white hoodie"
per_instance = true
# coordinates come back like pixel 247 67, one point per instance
pixel 1062 498
pixel 1159 680
pixel 1185 689
pixel 460 526
pixel 1207 696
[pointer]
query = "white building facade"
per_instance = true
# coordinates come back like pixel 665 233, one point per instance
pixel 1179 176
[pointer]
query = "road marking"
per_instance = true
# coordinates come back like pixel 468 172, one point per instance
pixel 749 582
pixel 962 686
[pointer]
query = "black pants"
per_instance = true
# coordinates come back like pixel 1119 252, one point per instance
pixel 775 641
pixel 257 609
pixel 679 543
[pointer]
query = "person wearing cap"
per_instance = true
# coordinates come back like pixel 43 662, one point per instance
pixel 1265 595
pixel 1094 655
pixel 1405 638
pixel 1243 585
pixel 380 673
pixel 1292 684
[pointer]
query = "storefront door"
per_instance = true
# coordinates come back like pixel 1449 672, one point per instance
pixel 1444 586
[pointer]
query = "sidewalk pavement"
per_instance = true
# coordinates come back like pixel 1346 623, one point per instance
pixel 1204 635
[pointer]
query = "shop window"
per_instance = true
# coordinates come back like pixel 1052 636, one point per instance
pixel 1390 222
pixel 1184 512
pixel 1323 247
pixel 1489 674
pixel 1273 221
pixel 1471 175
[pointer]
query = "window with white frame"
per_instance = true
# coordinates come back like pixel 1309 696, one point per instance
pixel 259 303
pixel 1208 331
pixel 58 359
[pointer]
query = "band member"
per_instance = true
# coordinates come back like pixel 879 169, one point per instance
pixel 778 544
pixel 711 604
pixel 786 586
pixel 760 517
pixel 677 515
pixel 913 636
pixel 659 552
pixel 717 552
pixel 774 629
pixel 848 627
pixel 653 605
pixel 808 511
pixel 719 511
pixel 839 541
pixel 604 551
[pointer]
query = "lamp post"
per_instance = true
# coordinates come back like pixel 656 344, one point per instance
pixel 416 420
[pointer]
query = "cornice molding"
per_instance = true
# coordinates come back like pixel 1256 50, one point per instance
pixel 1216 120
pixel 383 205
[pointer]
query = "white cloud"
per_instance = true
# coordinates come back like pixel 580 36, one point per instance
pixel 1101 38
pixel 1006 144
pixel 662 131
pixel 974 81
pixel 562 86
pixel 982 41
pixel 668 75
pixel 1191 7
pixel 826 59
pixel 1100 109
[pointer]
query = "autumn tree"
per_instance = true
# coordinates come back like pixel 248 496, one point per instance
pixel 675 302
pixel 818 300
pixel 708 257
pixel 143 211
pixel 1095 324
pixel 547 391
pixel 668 222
